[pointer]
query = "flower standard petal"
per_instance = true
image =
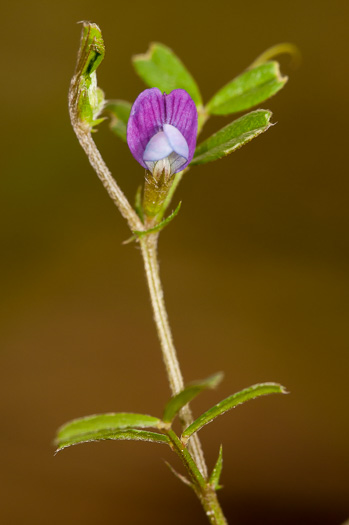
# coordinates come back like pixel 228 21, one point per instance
pixel 163 126
pixel 146 120
pixel 182 114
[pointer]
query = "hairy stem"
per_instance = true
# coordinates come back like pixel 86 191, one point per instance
pixel 204 491
pixel 83 134
pixel 90 55
pixel 109 182
pixel 193 458
pixel 149 252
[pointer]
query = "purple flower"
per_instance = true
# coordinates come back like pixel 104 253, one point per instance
pixel 162 129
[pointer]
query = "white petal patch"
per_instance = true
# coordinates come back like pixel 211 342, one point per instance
pixel 157 148
pixel 168 144
pixel 177 141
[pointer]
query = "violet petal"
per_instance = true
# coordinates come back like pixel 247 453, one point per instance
pixel 146 119
pixel 181 113
pixel 155 116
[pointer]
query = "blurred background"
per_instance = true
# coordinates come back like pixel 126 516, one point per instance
pixel 255 272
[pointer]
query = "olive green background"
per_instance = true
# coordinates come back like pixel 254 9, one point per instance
pixel 255 271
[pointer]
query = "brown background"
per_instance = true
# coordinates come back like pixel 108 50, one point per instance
pixel 254 270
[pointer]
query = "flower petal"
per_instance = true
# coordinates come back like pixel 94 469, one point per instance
pixel 176 140
pixel 181 112
pixel 176 162
pixel 168 144
pixel 146 120
pixel 175 115
pixel 157 148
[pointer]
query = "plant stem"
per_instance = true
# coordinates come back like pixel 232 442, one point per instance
pixel 212 507
pixel 149 251
pixel 194 460
pixel 204 491
pixel 87 143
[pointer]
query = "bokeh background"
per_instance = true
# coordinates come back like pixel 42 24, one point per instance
pixel 255 271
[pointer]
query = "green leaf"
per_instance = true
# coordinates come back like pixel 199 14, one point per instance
pixel 86 100
pixel 230 402
pixel 232 136
pixel 115 435
pixel 161 224
pixel 105 422
pixel 217 470
pixel 119 111
pixel 161 68
pixel 187 394
pixel 141 233
pixel 247 90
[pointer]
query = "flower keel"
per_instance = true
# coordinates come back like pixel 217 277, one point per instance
pixel 167 144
